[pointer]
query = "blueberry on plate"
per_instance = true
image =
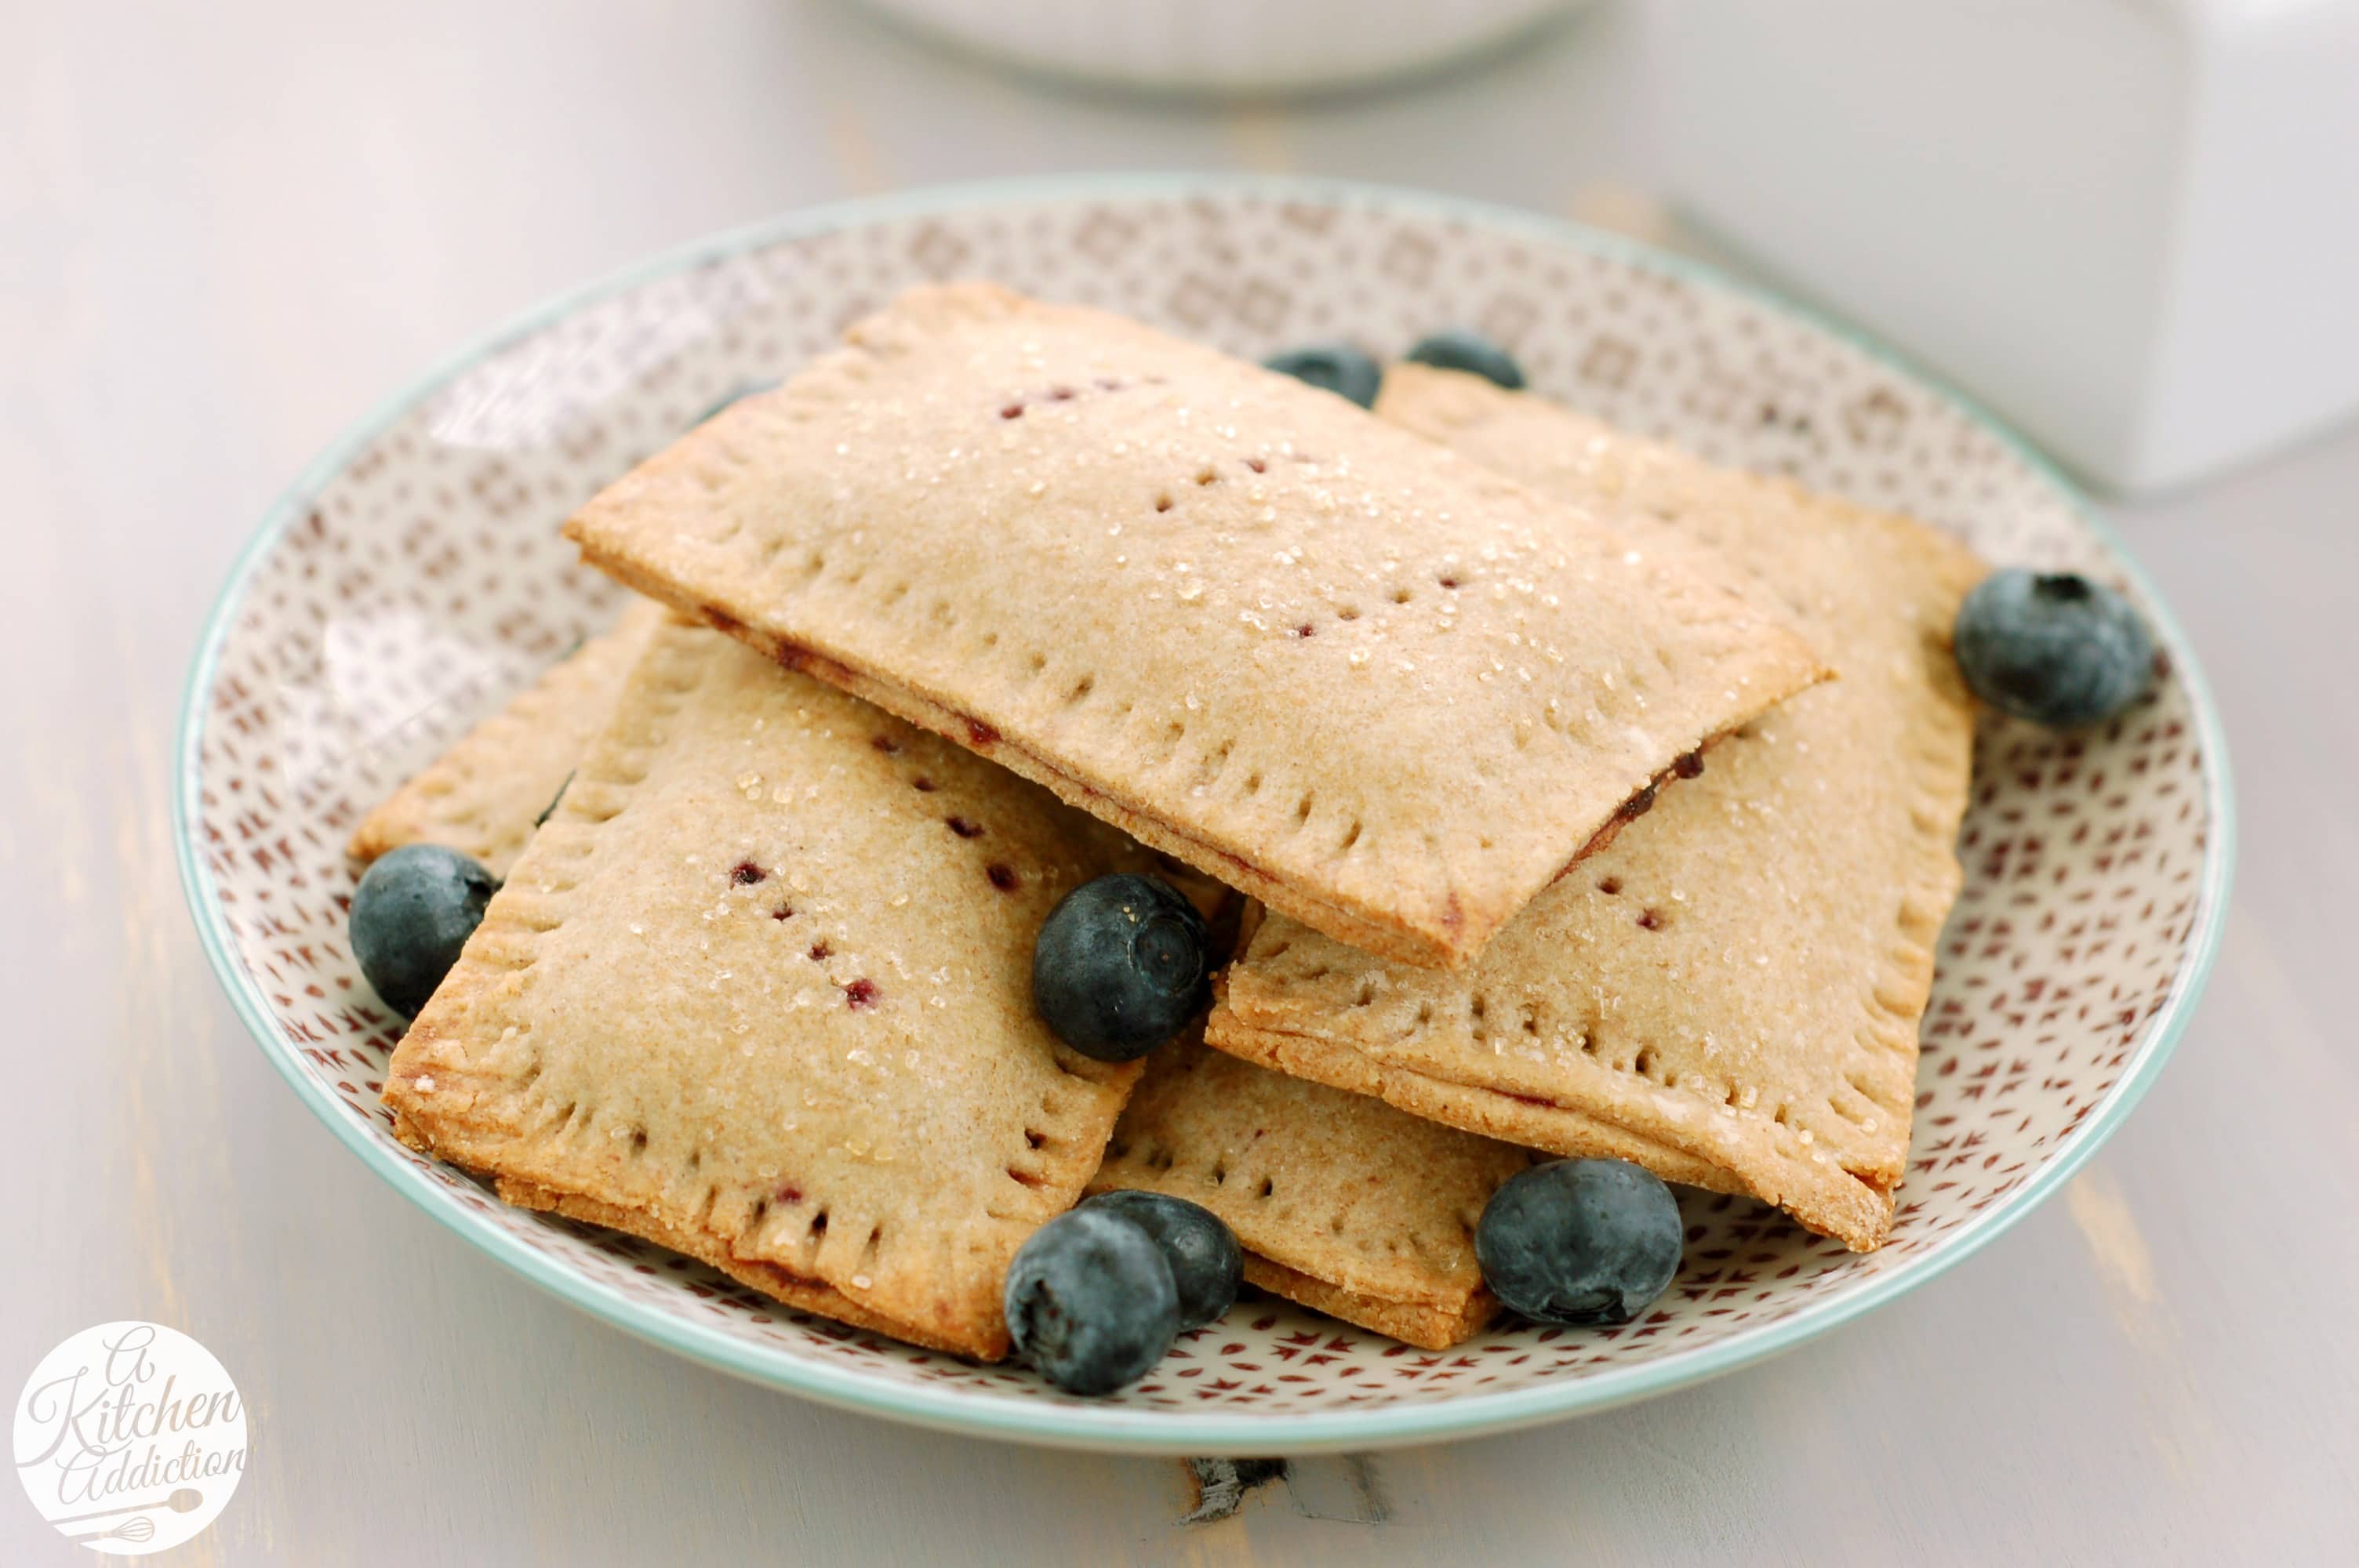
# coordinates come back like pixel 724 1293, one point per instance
pixel 2052 647
pixel 743 391
pixel 1579 1241
pixel 1337 368
pixel 1206 1264
pixel 1467 352
pixel 414 910
pixel 1090 1301
pixel 1120 966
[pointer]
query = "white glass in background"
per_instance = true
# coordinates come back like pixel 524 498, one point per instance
pixel 1225 47
pixel 2130 225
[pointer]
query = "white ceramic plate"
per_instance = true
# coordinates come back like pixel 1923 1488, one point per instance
pixel 413 577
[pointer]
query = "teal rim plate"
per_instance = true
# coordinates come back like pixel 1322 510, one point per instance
pixel 413 579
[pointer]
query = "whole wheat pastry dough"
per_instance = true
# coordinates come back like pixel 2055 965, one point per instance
pixel 1729 993
pixel 1382 688
pixel 1406 1188
pixel 760 992
pixel 1341 1202
pixel 483 796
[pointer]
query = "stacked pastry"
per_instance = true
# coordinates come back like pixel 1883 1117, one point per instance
pixel 1517 733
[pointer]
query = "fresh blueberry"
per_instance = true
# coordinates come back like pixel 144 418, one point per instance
pixel 414 910
pixel 743 389
pixel 1337 368
pixel 1579 1241
pixel 1466 351
pixel 1120 964
pixel 1090 1301
pixel 2052 647
pixel 1206 1264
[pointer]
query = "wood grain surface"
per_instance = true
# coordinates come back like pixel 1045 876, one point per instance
pixel 226 230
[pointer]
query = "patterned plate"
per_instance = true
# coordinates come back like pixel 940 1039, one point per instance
pixel 413 578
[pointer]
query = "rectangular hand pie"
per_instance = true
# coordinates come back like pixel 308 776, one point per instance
pixel 1341 1202
pixel 1377 686
pixel 483 796
pixel 1729 993
pixel 760 992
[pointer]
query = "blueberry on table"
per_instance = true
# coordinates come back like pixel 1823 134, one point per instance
pixel 1579 1241
pixel 1206 1264
pixel 1337 368
pixel 2052 647
pixel 1120 966
pixel 1467 352
pixel 414 910
pixel 1090 1301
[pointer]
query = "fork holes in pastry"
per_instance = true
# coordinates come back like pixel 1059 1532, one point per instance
pixel 1302 810
pixel 1646 1062
pixel 1081 689
pixel 922 785
pixel 1352 836
pixel 1609 886
pixel 1163 503
pixel 1367 994
pixel 1401 595
pixel 1029 1178
pixel 639 1140
pixel 1447 581
pixel 1651 920
pixel 1348 612
pixel 1208 475
pixel 1256 465
pixel 1265 1188
pixel 1004 877
pixel 1034 1138
pixel 1219 1174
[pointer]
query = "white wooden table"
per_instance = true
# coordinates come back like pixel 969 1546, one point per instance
pixel 225 230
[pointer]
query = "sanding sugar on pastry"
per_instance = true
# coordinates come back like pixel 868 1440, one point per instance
pixel 1381 688
pixel 1729 993
pixel 758 991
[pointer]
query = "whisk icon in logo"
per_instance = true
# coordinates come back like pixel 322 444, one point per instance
pixel 130 1437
